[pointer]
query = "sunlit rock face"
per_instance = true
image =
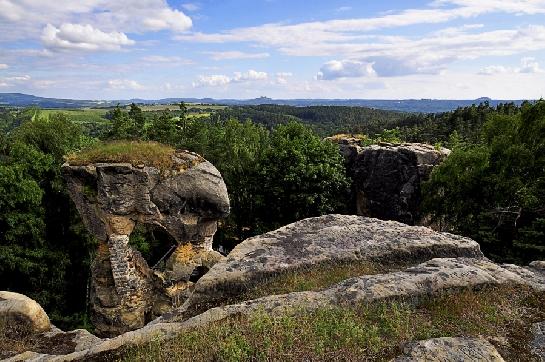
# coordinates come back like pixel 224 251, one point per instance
pixel 175 210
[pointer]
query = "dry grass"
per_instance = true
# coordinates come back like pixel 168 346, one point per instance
pixel 313 278
pixel 134 152
pixel 12 340
pixel 364 332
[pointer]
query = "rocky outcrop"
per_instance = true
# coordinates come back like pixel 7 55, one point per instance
pixel 387 180
pixel 328 239
pixel 451 349
pixel 433 278
pixel 183 202
pixel 21 315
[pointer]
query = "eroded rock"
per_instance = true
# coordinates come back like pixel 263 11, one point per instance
pixel 21 315
pixel 183 202
pixel 327 239
pixel 387 179
pixel 448 349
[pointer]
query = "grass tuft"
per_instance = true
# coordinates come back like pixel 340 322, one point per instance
pixel 133 152
pixel 375 331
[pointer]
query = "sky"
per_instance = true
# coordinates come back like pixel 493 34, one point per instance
pixel 284 49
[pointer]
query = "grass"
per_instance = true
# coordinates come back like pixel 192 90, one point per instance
pixel 316 277
pixel 364 332
pixel 134 152
pixel 84 115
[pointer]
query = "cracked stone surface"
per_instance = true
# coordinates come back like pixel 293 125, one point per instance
pixel 326 239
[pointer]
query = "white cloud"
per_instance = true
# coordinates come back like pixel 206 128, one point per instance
pixel 494 69
pixel 3 66
pixel 344 8
pixel 282 77
pixel 166 60
pixel 250 75
pixel 528 65
pixel 20 19
pixel 124 84
pixel 168 19
pixel 82 37
pixel 191 6
pixel 217 80
pixel 231 55
pixel 220 80
pixel 345 69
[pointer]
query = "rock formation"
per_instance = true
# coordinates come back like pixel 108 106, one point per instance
pixel 328 239
pixel 22 315
pixel 415 263
pixel 387 178
pixel 184 202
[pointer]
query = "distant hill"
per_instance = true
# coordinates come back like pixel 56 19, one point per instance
pixel 407 105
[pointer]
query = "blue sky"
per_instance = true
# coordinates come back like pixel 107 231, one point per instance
pixel 112 49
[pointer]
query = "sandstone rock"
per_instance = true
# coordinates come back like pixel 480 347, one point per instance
pixel 538 343
pixel 387 179
pixel 183 202
pixel 425 280
pixel 432 278
pixel 20 314
pixel 449 349
pixel 326 239
pixel 539 265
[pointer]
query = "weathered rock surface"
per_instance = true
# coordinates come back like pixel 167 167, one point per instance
pixel 184 202
pixel 451 350
pixel 20 314
pixel 427 279
pixel 327 239
pixel 432 278
pixel 538 343
pixel 387 179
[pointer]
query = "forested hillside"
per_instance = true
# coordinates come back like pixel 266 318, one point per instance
pixel 277 170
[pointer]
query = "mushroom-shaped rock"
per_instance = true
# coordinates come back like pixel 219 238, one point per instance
pixel 181 201
pixel 20 314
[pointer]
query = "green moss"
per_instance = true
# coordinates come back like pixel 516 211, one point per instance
pixel 134 152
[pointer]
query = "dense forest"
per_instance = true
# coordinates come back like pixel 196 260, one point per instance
pixel 277 170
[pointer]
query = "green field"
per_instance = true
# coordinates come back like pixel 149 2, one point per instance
pixel 83 115
pixel 175 107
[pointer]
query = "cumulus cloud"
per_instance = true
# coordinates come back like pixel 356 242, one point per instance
pixel 82 37
pixel 167 19
pixel 23 18
pixel 528 65
pixel 220 80
pixel 231 55
pixel 336 69
pixel 124 84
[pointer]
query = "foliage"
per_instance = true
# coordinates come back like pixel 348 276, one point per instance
pixel 493 190
pixel 44 248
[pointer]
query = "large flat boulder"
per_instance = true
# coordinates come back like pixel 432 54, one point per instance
pixel 328 239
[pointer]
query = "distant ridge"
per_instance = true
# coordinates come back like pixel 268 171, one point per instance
pixel 406 105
